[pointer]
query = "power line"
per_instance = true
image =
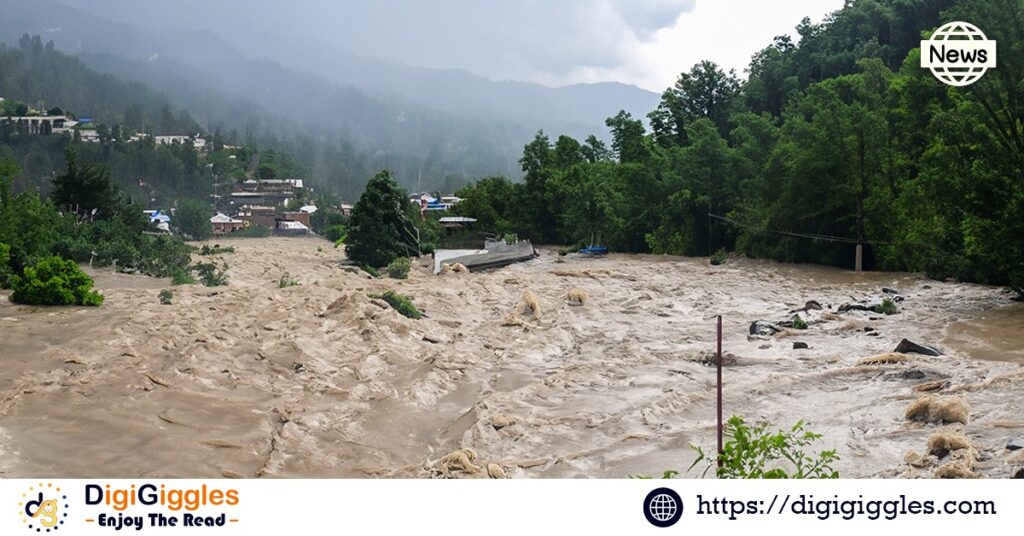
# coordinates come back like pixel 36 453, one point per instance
pixel 826 238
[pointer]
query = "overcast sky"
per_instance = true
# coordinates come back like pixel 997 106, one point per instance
pixel 555 42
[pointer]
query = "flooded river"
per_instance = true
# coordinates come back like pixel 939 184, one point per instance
pixel 320 380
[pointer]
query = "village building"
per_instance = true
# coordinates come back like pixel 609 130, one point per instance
pixel 223 224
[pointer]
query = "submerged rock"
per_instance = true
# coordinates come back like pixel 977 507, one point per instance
pixel 1015 444
pixel 907 346
pixel 800 345
pixel 763 328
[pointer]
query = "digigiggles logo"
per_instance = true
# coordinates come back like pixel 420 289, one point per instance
pixel 43 508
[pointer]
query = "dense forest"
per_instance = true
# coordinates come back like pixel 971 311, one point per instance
pixel 836 139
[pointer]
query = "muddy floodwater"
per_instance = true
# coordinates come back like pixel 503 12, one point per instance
pixel 320 380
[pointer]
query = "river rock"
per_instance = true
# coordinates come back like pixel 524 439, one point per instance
pixel 1015 444
pixel 811 305
pixel 862 305
pixel 799 345
pixel 763 328
pixel 907 346
pixel 888 290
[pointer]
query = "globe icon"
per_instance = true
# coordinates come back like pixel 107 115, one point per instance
pixel 958 76
pixel 662 507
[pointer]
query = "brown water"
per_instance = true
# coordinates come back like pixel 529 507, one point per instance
pixel 319 381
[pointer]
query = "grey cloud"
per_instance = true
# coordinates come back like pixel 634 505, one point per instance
pixel 500 39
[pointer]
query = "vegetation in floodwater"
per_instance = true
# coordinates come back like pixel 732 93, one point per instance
pixel 887 307
pixel 165 297
pixel 399 268
pixel 286 280
pixel 210 275
pixel 400 303
pixel 719 257
pixel 757 452
pixel 217 249
pixel 799 322
pixel 54 281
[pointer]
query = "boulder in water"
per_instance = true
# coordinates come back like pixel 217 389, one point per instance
pixel 907 346
pixel 1015 444
pixel 800 345
pixel 763 328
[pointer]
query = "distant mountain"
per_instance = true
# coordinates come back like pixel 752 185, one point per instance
pixel 435 128
pixel 577 109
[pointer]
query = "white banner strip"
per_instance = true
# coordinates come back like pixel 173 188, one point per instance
pixel 454 507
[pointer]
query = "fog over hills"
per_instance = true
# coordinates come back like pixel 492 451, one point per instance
pixel 429 122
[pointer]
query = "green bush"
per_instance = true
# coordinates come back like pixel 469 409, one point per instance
pixel 399 268
pixel 182 277
pixel 210 275
pixel 54 281
pixel 755 452
pixel 400 303
pixel 888 307
pixel 217 249
pixel 511 238
pixel 5 266
pixel 370 270
pixel 336 233
pixel 719 257
pixel 286 281
pixel 799 322
pixel 165 297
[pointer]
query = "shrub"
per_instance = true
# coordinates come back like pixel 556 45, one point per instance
pixel 54 281
pixel 799 322
pixel 719 257
pixel 399 268
pixel 286 281
pixel 511 238
pixel 182 277
pixel 887 307
pixel 336 233
pixel 5 266
pixel 755 452
pixel 210 275
pixel 370 270
pixel 217 249
pixel 400 303
pixel 165 297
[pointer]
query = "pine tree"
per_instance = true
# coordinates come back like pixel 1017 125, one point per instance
pixel 379 231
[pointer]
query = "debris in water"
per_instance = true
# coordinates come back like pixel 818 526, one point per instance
pixel 576 296
pixel 529 305
pixel 495 471
pixel 933 409
pixel 500 420
pixel 889 358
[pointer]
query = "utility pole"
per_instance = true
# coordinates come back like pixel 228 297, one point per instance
pixel 718 361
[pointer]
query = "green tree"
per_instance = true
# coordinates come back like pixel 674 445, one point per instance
pixel 85 189
pixel 192 219
pixel 379 229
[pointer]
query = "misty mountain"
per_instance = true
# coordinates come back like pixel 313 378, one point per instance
pixel 577 109
pixel 433 127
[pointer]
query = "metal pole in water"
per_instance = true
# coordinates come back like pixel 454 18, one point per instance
pixel 719 362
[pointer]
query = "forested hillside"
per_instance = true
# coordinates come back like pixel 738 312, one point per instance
pixel 836 139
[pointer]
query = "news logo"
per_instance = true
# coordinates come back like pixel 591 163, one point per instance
pixel 663 507
pixel 43 508
pixel 958 54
